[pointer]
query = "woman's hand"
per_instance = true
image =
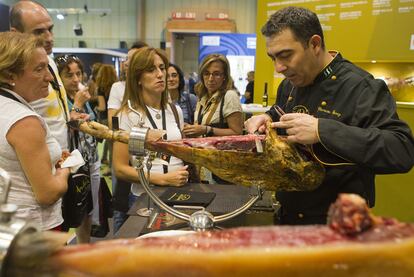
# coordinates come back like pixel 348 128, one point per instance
pixel 81 97
pixel 65 155
pixel 194 130
pixel 176 178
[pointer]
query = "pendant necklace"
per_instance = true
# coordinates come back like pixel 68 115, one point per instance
pixel 157 112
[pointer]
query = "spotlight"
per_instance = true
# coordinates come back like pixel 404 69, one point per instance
pixel 60 16
pixel 77 28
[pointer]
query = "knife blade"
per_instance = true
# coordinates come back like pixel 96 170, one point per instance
pixel 259 145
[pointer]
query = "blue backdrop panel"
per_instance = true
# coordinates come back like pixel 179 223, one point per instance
pixel 227 44
pixel 240 50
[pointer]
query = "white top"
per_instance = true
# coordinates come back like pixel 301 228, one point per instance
pixel 116 94
pixel 52 111
pixel 231 105
pixel 21 192
pixel 131 119
pixel 254 108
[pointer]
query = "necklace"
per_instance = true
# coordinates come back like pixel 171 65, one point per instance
pixel 157 112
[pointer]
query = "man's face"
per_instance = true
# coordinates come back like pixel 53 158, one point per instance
pixel 290 58
pixel 37 21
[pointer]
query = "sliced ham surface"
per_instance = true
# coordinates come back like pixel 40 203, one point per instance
pixel 262 251
pixel 384 248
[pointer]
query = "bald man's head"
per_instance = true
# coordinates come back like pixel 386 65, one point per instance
pixel 31 17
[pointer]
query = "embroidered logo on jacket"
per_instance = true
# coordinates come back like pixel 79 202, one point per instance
pixel 300 109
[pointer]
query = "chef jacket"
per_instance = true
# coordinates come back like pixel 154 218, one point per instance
pixel 360 135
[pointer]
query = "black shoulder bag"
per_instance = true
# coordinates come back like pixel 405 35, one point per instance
pixel 77 201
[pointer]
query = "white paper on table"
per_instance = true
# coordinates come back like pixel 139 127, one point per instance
pixel 74 161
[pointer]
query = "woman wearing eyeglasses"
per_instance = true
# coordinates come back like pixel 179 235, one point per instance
pixel 71 71
pixel 218 112
pixel 146 90
pixel 28 150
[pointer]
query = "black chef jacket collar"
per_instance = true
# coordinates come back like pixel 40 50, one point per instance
pixel 329 69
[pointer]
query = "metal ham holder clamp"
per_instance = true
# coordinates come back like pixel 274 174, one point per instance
pixel 10 228
pixel 200 220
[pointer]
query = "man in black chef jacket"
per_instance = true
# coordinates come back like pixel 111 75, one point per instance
pixel 347 117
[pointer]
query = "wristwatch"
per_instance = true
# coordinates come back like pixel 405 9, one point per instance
pixel 210 132
pixel 76 109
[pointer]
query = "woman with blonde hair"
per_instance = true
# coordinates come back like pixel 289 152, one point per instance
pixel 28 151
pixel 218 111
pixel 146 90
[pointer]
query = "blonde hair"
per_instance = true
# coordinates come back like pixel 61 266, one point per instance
pixel 142 61
pixel 200 87
pixel 16 49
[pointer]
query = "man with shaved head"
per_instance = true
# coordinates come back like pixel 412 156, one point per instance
pixel 32 18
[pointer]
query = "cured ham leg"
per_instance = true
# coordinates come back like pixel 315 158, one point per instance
pixel 386 248
pixel 281 166
pixel 233 158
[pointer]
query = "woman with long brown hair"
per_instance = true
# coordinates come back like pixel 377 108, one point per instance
pixel 146 90
pixel 104 81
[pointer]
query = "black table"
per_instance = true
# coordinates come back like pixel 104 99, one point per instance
pixel 227 199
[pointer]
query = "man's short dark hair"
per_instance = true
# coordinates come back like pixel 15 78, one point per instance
pixel 138 44
pixel 302 22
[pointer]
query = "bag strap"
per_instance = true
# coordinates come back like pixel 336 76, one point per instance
pixel 177 119
pixel 55 85
pixel 175 112
pixel 189 109
pixel 221 111
pixel 9 95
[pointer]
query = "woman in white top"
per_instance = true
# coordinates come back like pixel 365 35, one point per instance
pixel 27 149
pixel 146 90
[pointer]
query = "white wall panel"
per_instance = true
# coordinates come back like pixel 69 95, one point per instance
pixel 121 24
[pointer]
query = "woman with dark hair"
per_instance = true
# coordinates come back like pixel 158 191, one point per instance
pixel 71 71
pixel 146 91
pixel 186 101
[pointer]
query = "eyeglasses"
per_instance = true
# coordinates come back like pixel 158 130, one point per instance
pixel 66 59
pixel 215 74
